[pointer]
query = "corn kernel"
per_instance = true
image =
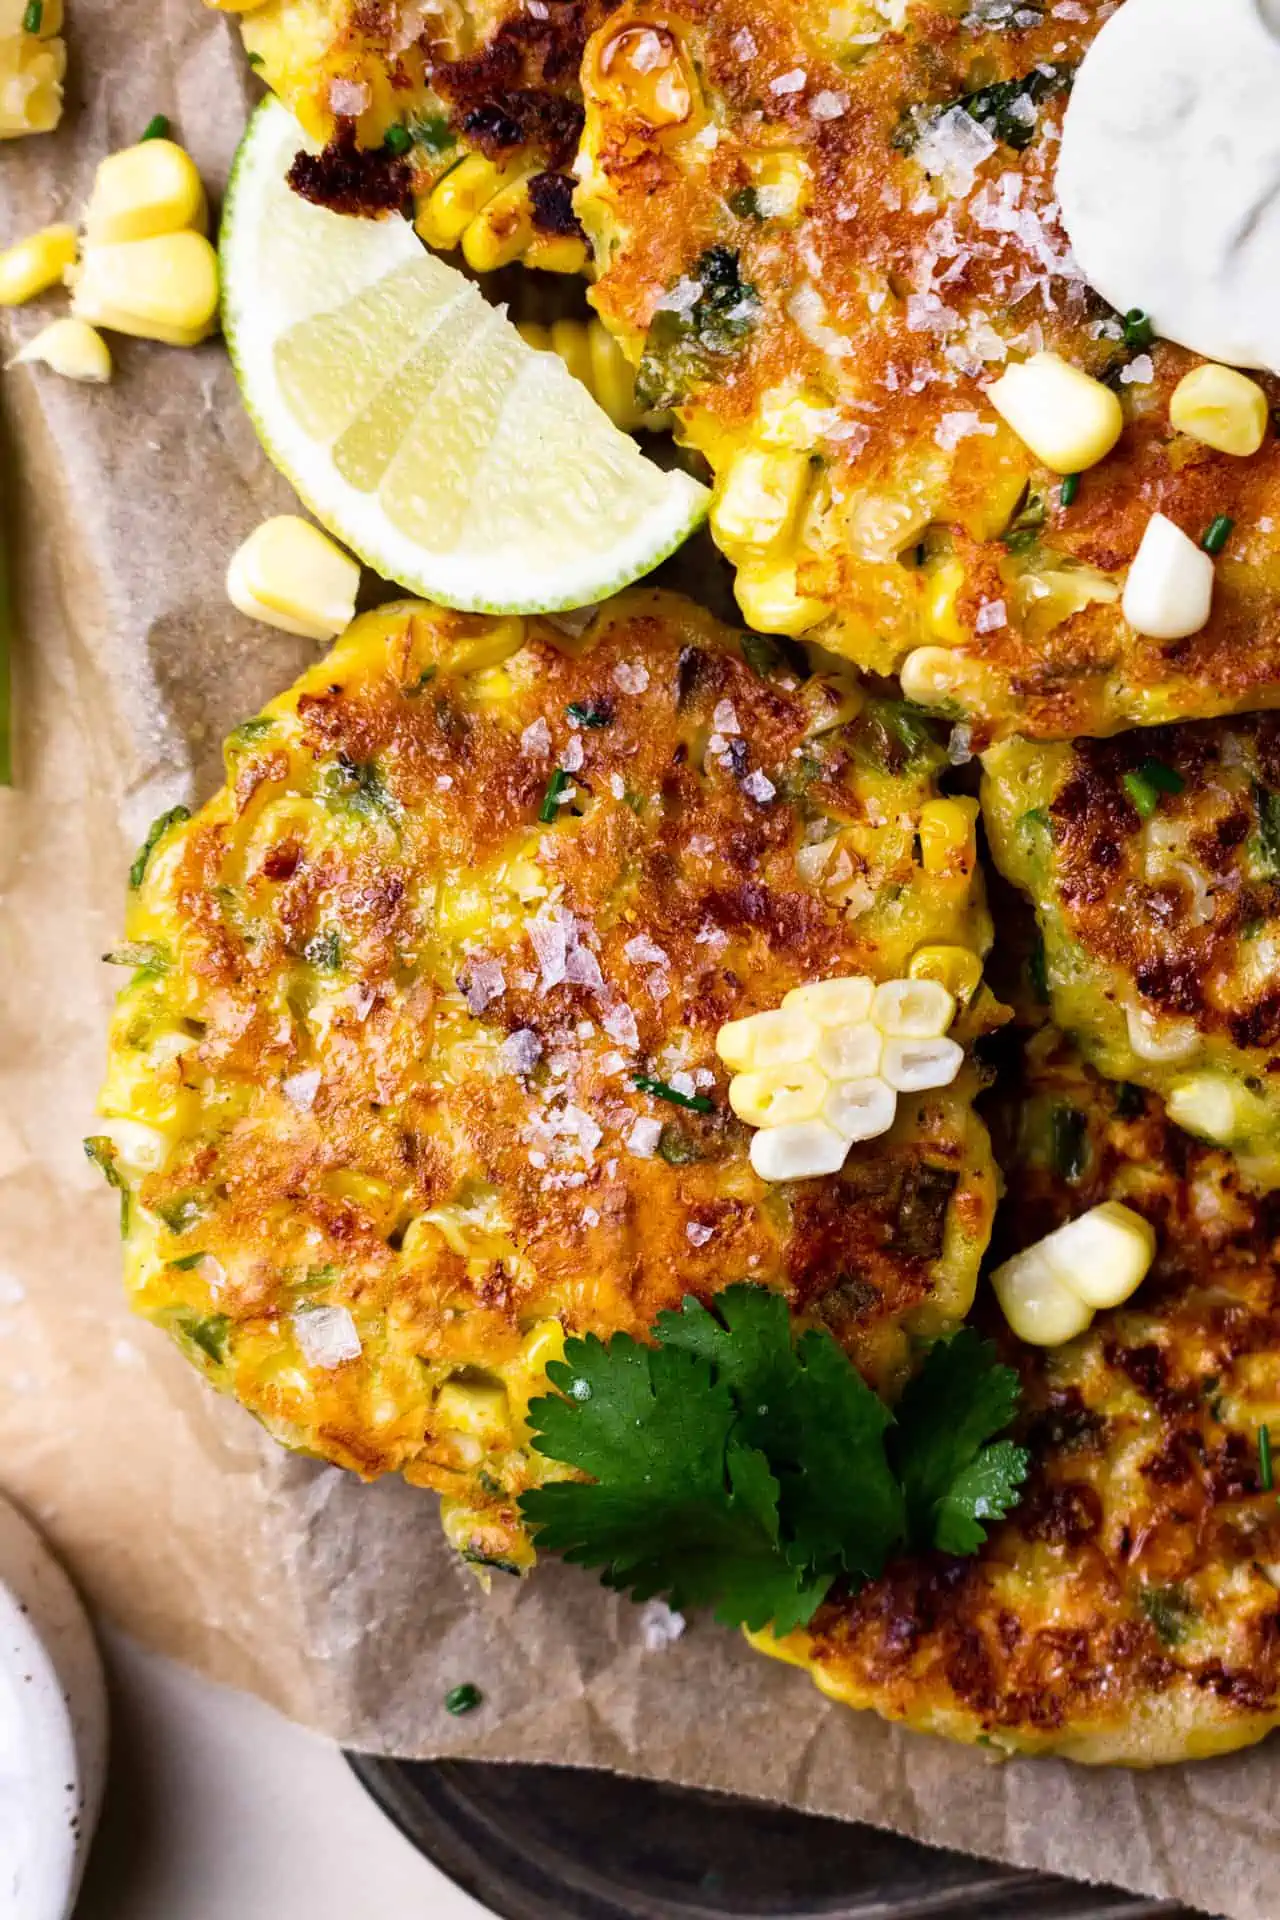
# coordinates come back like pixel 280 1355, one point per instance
pixel 758 498
pixel 778 1038
pixel 500 235
pixel 148 189
pixel 912 1066
pixel 795 417
pixel 778 1096
pixel 861 1109
pixel 805 1151
pixel 831 701
pixel 479 1408
pixel 834 1003
pixel 71 348
pixel 290 575
pixel 35 264
pixel 959 970
pixel 557 253
pixel 1105 1254
pixel 851 1053
pixel 1222 408
pixel 780 182
pixel 948 838
pixel 1213 1106
pixel 913 1009
pixel 933 676
pixel 1169 592
pixel 139 1148
pixel 945 587
pixel 1069 420
pixel 32 69
pixel 499 640
pixel 165 288
pixel 1038 1306
pixel 543 1345
pixel 1160 1041
pixel 612 379
pixel 454 201
pixel 771 601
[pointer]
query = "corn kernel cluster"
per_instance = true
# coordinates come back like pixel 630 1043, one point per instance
pixel 1050 1291
pixel 825 1068
pixel 33 63
pixel 594 357
pixel 484 207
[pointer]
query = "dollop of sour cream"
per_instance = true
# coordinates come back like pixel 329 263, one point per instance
pixel 1169 174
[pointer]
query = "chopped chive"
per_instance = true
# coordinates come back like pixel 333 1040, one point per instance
pixel 33 18
pixel 398 140
pixel 590 713
pixel 695 1102
pixel 1218 533
pixel 1145 786
pixel 1138 330
pixel 551 799
pixel 254 59
pixel 463 1699
pixel 157 128
pixel 1069 489
pixel 1265 1476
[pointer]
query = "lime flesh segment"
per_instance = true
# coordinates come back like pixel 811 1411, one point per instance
pixel 413 419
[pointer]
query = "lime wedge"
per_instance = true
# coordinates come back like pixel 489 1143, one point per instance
pixel 412 418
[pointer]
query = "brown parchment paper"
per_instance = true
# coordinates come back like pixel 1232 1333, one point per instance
pixel 338 1603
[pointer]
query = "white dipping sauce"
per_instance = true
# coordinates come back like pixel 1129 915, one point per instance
pixel 1169 176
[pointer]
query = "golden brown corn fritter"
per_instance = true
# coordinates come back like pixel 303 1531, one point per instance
pixel 472 112
pixel 1128 1611
pixel 821 234
pixel 416 1071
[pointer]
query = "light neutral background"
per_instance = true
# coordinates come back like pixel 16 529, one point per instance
pixel 218 1809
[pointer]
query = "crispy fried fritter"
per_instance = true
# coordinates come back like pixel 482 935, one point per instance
pixel 823 232
pixel 1128 1612
pixel 373 1088
pixel 400 95
pixel 1153 862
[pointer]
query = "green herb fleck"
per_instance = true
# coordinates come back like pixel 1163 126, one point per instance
pixel 1070 1143
pixel 712 312
pixel 432 131
pixel 550 808
pixel 488 1560
pixel 1268 805
pixel 1138 330
pixel 1148 782
pixel 1023 531
pixel 1217 534
pixel 1069 489
pixel 209 1332
pixel 157 128
pixel 254 59
pixel 181 1213
pixel 463 1699
pixel 1169 1611
pixel 764 656
pixel 1265 1477
pixel 661 1090
pixel 745 202
pixel 155 834
pixel 676 1147
pixel 1007 109
pixel 100 1150
pixel 188 1263
pixel 249 732
pixel 33 18
pixel 149 956
pixel 356 786
pixel 397 140
pixel 324 950
pixel 591 714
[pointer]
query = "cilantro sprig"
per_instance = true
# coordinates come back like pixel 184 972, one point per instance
pixel 735 1467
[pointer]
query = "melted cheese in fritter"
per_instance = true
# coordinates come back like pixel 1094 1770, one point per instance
pixel 1128 1612
pixel 1160 912
pixel 373 1088
pixel 826 232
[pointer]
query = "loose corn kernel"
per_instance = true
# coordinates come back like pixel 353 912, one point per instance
pixel 1160 1041
pixel 913 1009
pixel 1069 420
pixel 145 190
pixel 778 1096
pixel 1169 592
pixel 959 970
pixel 1213 1106
pixel 1050 1292
pixel 71 348
pixel 455 200
pixel 945 587
pixel 805 1151
pixel 771 601
pixel 290 575
pixel 948 836
pixel 501 233
pixel 778 1038
pixel 758 498
pixel 851 1052
pixel 912 1066
pixel 35 264
pixel 1222 408
pixel 557 253
pixel 32 69
pixel 833 1003
pixel 860 1109
pixel 165 288
pixel 1039 1306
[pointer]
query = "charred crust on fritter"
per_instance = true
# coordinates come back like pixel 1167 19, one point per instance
pixel 349 178
pixel 551 203
pixel 520 89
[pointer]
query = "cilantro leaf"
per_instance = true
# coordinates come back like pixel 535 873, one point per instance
pixel 676 1508
pixel 961 1398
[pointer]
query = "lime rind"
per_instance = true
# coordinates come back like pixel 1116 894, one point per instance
pixel 509 490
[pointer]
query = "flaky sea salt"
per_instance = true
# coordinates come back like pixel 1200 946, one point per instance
pixel 992 615
pixel 631 676
pixel 759 787
pixel 644 952
pixel 521 1051
pixel 697 1233
pixel 327 1336
pixel 644 1137
pixel 619 1023
pixel 828 105
pixel 792 82
pixel 574 754
pixel 535 741
pixel 300 1089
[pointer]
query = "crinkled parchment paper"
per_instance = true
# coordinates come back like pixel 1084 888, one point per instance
pixel 337 1602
